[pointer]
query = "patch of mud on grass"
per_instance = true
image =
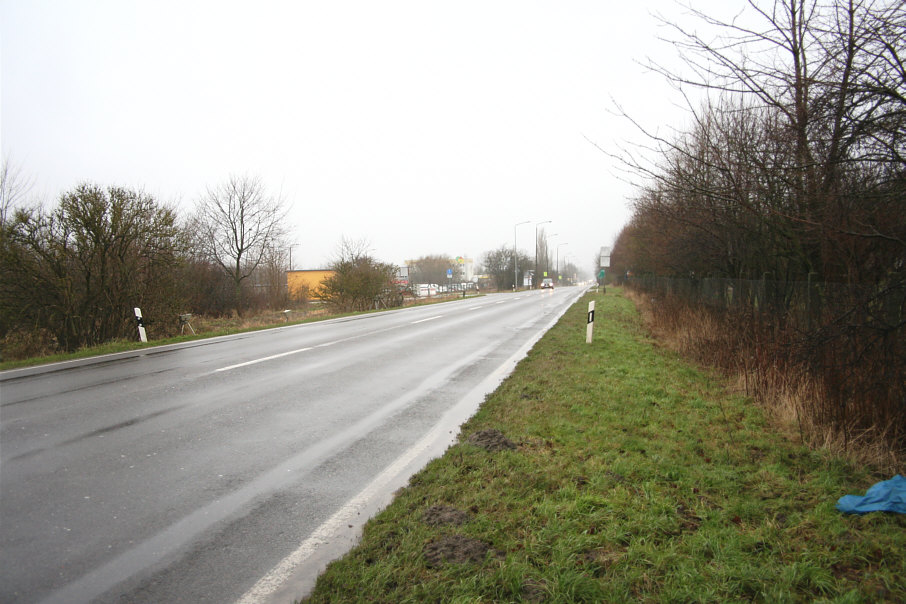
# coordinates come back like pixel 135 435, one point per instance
pixel 442 515
pixel 491 440
pixel 533 591
pixel 455 549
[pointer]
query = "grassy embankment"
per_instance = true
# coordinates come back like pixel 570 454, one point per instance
pixel 635 477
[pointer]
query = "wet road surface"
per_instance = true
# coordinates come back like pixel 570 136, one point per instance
pixel 230 469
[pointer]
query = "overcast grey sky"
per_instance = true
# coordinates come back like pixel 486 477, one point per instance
pixel 425 127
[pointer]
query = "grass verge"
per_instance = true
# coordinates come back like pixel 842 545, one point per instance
pixel 635 476
pixel 206 327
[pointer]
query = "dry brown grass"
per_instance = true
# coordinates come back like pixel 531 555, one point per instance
pixel 22 348
pixel 264 318
pixel 795 401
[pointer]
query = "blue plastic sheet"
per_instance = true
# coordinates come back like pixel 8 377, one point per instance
pixel 885 496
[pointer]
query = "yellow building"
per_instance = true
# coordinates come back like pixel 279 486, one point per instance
pixel 303 284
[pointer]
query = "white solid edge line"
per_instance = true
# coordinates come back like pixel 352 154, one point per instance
pixel 275 579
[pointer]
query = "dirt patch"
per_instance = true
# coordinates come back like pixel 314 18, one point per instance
pixel 441 515
pixel 533 591
pixel 689 521
pixel 601 559
pixel 455 549
pixel 490 440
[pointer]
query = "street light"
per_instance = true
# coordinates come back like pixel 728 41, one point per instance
pixel 535 278
pixel 515 260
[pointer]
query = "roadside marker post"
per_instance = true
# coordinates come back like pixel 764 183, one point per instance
pixel 141 325
pixel 591 322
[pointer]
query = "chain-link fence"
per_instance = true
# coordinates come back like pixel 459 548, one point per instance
pixel 850 339
pixel 803 305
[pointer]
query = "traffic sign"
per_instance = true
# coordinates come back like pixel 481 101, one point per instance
pixel 604 258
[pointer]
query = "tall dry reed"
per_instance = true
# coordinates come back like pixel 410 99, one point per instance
pixel 799 383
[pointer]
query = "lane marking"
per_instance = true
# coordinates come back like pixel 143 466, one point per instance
pixel 324 345
pixel 428 319
pixel 263 359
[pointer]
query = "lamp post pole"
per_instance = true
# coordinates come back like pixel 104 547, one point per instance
pixel 515 259
pixel 535 279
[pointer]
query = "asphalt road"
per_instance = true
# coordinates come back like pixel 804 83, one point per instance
pixel 230 469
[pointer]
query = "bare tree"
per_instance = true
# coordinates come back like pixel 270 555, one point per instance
pixel 270 278
pixel 80 270
pixel 498 264
pixel 831 78
pixel 13 189
pixel 433 269
pixel 236 223
pixel 542 257
pixel 794 168
pixel 358 279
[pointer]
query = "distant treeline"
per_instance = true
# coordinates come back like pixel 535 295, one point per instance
pixel 72 275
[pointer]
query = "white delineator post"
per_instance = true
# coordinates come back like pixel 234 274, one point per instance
pixel 591 322
pixel 141 325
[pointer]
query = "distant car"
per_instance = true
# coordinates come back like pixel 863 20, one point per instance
pixel 547 284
